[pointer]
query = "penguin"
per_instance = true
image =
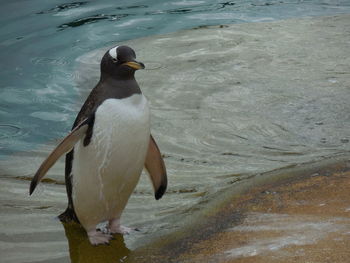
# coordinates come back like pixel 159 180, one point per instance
pixel 109 145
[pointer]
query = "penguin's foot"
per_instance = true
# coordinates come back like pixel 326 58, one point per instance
pixel 122 230
pixel 115 227
pixel 98 238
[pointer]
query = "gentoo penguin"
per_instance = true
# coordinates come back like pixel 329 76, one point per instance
pixel 107 148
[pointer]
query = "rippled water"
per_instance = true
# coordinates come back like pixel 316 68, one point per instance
pixel 225 104
pixel 40 42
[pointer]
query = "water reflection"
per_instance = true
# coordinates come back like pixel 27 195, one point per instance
pixel 80 249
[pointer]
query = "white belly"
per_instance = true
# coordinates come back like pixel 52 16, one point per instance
pixel 106 172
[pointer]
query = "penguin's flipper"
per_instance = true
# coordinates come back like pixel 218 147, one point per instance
pixel 66 145
pixel 155 166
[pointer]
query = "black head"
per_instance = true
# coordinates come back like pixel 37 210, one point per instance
pixel 120 62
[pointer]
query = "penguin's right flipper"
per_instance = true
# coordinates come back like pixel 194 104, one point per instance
pixel 155 167
pixel 65 146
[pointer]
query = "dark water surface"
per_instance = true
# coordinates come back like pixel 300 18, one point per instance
pixel 270 96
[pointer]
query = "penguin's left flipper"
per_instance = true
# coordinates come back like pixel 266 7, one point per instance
pixel 65 146
pixel 155 167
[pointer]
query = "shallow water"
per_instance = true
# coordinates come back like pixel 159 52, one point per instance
pixel 226 103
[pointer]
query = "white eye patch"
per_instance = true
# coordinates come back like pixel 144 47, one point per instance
pixel 113 52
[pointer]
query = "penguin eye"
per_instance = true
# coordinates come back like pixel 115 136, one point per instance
pixel 114 60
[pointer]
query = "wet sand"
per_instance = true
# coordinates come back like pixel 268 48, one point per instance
pixel 301 214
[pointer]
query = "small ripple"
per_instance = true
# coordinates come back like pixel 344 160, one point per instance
pixel 50 116
pixel 180 11
pixel 240 137
pixel 196 7
pixel 281 152
pixel 212 78
pixel 91 19
pixel 225 4
pixel 62 7
pixel 9 130
pixel 131 7
pixel 230 154
pixel 267 3
pixel 187 3
pixel 344 140
pixel 132 22
pixel 47 60
pixel 153 65
pixel 218 16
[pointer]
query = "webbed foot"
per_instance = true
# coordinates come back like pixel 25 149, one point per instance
pixel 115 227
pixel 98 237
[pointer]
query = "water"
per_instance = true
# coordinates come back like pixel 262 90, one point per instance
pixel 252 112
pixel 39 44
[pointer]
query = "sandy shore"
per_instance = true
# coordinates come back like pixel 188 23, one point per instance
pixel 299 214
pixel 304 220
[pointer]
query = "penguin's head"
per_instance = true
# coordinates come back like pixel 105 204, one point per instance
pixel 120 62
